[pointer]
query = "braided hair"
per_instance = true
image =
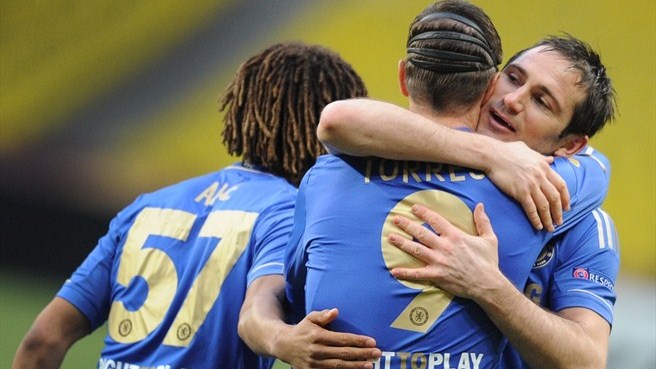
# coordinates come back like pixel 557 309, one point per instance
pixel 273 105
pixel 453 53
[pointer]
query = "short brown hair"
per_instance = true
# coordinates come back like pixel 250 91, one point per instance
pixel 599 105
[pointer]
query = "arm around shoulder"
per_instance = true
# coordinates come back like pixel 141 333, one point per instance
pixel 349 127
pixel 53 332
pixel 365 127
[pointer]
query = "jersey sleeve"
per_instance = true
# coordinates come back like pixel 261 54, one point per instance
pixel 296 258
pixel 587 175
pixel 271 235
pixel 89 288
pixel 586 274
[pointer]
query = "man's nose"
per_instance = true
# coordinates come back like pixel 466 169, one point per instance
pixel 514 100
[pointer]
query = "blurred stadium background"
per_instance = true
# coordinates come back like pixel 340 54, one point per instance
pixel 103 100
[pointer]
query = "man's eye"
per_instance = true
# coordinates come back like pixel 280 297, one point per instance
pixel 514 78
pixel 542 102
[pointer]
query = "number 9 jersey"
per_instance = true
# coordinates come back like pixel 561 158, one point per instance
pixel 171 274
pixel 339 254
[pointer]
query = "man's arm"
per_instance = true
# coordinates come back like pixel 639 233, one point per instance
pixel 54 331
pixel 467 266
pixel 363 127
pixel 304 345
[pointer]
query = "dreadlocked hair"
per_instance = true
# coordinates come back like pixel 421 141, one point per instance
pixel 273 105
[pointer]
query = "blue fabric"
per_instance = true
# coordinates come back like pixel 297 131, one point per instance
pixel 578 269
pixel 235 223
pixel 336 256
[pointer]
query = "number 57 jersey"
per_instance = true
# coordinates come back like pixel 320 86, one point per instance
pixel 339 255
pixel 171 274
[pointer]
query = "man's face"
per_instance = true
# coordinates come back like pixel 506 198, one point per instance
pixel 533 101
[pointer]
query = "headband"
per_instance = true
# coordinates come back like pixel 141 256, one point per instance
pixel 465 59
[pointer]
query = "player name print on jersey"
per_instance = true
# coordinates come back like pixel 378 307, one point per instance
pixel 105 363
pixel 389 170
pixel 214 193
pixel 355 201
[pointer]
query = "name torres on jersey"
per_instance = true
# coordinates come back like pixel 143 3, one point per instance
pixel 389 170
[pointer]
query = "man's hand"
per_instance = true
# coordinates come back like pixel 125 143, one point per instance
pixel 309 345
pixel 526 176
pixel 462 264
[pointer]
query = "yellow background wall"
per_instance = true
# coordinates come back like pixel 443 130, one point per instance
pixel 59 56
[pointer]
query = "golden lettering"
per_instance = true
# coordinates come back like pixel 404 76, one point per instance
pixel 212 193
pixel 208 194
pixel 418 361
pixel 404 358
pixel 533 292
pixel 411 169
pixel 434 169
pixel 453 176
pixel 477 175
pixel 224 193
pixel 383 175
pixel 367 175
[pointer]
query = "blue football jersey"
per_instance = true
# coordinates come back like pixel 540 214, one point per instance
pixel 339 255
pixel 577 269
pixel 171 274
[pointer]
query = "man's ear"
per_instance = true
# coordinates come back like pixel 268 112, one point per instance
pixel 490 88
pixel 571 145
pixel 404 88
